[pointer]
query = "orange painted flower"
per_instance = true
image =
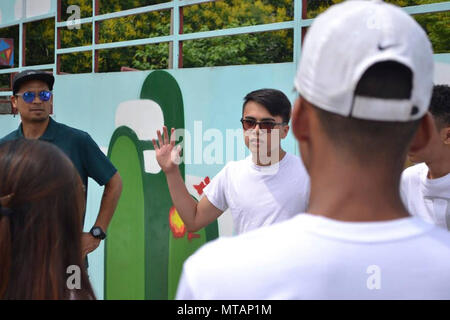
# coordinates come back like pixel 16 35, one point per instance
pixel 176 224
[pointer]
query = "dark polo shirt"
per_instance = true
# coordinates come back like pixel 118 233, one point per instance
pixel 78 145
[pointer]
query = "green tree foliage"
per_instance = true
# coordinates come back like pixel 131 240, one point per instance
pixel 266 47
pixel 318 6
pixel 407 3
pixel 40 42
pixel 108 6
pixel 147 25
pixel 241 49
pixel 84 5
pixel 79 62
pixel 436 25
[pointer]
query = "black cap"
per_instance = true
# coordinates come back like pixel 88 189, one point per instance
pixel 27 75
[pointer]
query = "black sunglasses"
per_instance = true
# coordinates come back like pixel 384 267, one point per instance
pixel 265 124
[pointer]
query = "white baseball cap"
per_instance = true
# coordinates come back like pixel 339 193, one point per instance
pixel 347 39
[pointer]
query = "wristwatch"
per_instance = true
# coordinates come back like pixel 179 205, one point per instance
pixel 97 232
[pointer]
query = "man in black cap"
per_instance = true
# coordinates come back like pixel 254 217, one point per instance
pixel 33 100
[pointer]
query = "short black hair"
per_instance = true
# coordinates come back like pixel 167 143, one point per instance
pixel 369 140
pixel 440 105
pixel 273 100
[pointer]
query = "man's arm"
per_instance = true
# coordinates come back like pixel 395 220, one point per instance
pixel 110 198
pixel 194 215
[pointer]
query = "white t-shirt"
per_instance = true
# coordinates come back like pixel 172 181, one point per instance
pixel 259 196
pixel 426 198
pixel 313 257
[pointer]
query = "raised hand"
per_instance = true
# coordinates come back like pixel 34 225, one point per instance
pixel 167 154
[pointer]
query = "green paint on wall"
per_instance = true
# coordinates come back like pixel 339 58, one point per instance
pixel 143 260
pixel 124 251
pixel 162 88
pixel 179 250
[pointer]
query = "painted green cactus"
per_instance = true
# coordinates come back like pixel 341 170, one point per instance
pixel 146 245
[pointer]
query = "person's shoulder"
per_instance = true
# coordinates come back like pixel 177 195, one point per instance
pixel 71 130
pixel 262 241
pixel 226 258
pixel 239 163
pixel 74 135
pixel 293 159
pixel 415 171
pixel 10 136
pixel 231 166
pixel 420 167
pixel 440 237
pixel 295 164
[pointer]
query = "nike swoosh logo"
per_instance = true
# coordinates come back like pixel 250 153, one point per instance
pixel 382 48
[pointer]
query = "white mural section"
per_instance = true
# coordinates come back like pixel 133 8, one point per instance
pixel 144 117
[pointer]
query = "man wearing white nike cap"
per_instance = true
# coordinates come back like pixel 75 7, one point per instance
pixel 365 83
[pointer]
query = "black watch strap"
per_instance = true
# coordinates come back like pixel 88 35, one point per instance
pixel 97 232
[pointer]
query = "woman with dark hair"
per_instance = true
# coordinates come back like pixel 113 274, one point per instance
pixel 41 209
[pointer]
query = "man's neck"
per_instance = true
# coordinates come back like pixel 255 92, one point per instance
pixel 350 193
pixel 438 168
pixel 34 130
pixel 271 159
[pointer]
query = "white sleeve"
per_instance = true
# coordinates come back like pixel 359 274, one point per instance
pixel 184 290
pixel 216 190
pixel 404 182
pixel 403 192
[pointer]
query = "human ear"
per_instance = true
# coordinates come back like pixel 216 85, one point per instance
pixel 13 104
pixel 300 121
pixel 284 131
pixel 445 135
pixel 423 134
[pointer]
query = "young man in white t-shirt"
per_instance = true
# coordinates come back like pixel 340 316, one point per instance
pixel 269 186
pixel 425 187
pixel 365 80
